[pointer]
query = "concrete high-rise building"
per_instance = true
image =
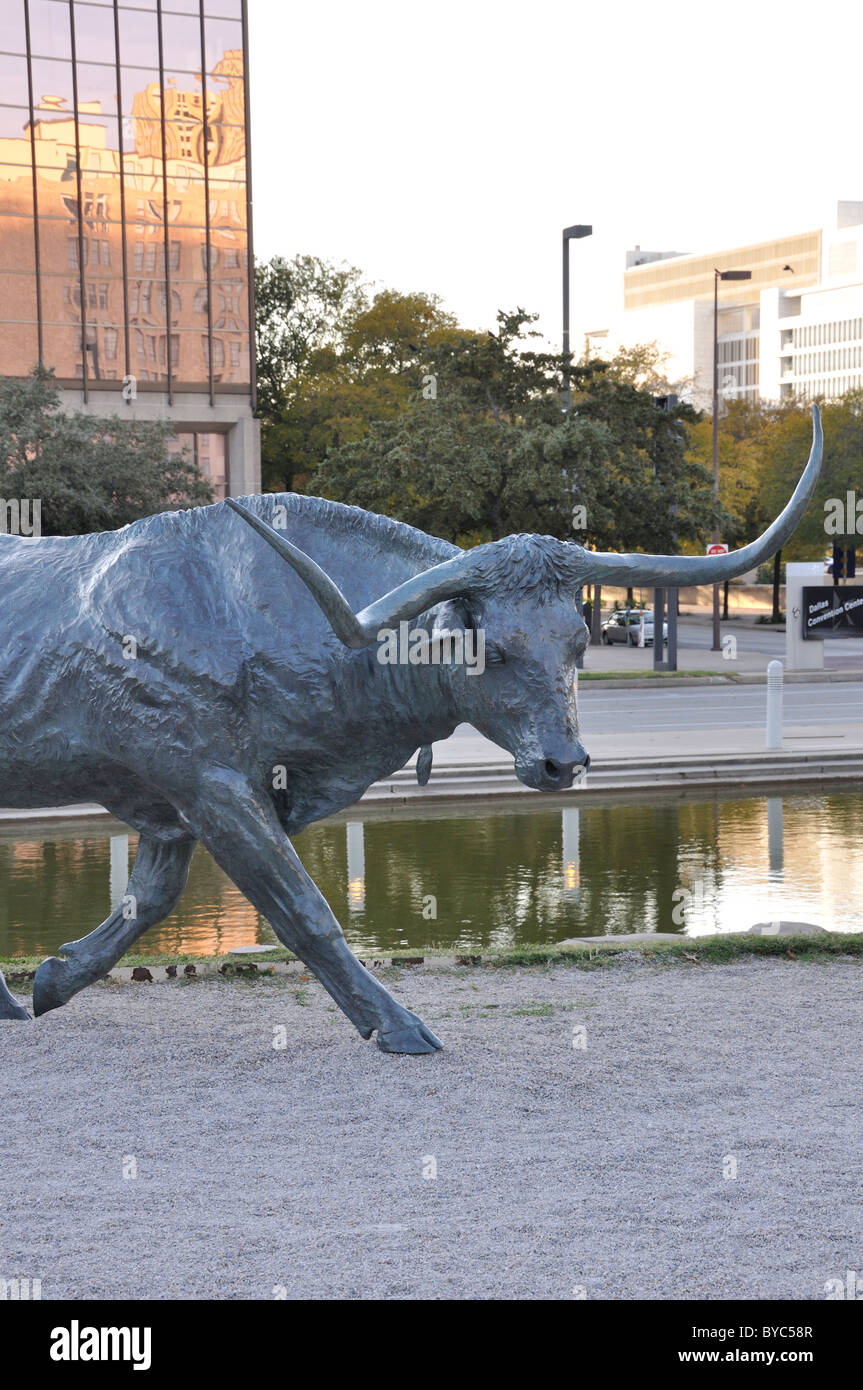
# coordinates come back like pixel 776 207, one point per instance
pixel 793 331
pixel 125 216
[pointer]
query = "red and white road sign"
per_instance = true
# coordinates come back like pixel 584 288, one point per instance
pixel 717 549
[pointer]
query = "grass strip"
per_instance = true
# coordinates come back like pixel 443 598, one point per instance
pixel 707 950
pixel 641 675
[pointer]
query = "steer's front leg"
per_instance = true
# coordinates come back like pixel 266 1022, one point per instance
pixel 239 826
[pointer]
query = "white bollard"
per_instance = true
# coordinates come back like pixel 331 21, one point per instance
pixel 774 704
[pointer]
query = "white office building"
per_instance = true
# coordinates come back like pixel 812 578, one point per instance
pixel 793 330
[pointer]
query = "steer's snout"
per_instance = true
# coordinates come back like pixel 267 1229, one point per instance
pixel 553 774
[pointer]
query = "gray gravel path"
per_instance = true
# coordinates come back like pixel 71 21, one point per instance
pixel 559 1167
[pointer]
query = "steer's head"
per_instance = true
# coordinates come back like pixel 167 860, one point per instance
pixel 521 626
pixel 520 594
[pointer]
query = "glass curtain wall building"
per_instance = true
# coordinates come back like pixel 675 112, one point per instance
pixel 125 215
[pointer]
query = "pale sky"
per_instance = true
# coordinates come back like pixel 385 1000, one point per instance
pixel 443 146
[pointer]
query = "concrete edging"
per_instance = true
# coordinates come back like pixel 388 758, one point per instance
pixel 712 678
pixel 575 946
pixel 475 781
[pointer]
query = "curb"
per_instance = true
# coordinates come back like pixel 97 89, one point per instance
pixel 573 947
pixel 649 774
pixel 712 678
pixel 474 781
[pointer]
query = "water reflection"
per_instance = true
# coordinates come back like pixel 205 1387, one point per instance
pixel 356 851
pixel 119 868
pixel 775 837
pixel 497 878
pixel 571 849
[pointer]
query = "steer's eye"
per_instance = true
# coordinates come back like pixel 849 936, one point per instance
pixel 494 655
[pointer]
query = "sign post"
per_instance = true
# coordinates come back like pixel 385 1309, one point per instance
pixel 658 628
pixel 716 548
pixel 802 654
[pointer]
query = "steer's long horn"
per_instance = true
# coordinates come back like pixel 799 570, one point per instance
pixel 665 571
pixel 447 580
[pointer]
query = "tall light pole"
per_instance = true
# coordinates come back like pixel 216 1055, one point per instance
pixel 569 234
pixel 717 276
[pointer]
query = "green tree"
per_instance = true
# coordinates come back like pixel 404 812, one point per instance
pixel 740 439
pixel 645 365
pixel 89 474
pixel 301 307
pixel 786 444
pixel 331 358
pixel 740 452
pixel 762 449
pixel 483 448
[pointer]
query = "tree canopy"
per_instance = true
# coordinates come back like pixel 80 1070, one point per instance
pixel 332 357
pixel 762 452
pixel 89 474
pixel 383 400
pixel 482 448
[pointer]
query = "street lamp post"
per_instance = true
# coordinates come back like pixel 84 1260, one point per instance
pixel 569 234
pixel 717 276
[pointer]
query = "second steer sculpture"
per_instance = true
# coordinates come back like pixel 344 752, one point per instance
pixel 167 669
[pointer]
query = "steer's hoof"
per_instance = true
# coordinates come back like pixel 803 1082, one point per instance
pixel 408 1037
pixel 54 985
pixel 9 1006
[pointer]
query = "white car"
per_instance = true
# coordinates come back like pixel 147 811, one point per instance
pixel 625 626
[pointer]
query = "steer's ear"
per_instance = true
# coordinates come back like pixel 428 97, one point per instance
pixel 447 616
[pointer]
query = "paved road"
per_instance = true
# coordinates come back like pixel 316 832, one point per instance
pixel 749 639
pixel 604 711
pixel 712 707
pixel 755 647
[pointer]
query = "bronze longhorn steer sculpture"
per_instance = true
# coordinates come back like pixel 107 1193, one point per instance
pixel 168 669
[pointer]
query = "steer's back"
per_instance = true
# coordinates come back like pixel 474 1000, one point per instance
pixel 91 628
pixel 163 638
pixel 41 630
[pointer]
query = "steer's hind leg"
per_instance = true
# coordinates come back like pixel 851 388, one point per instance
pixel 239 826
pixel 9 1006
pixel 157 881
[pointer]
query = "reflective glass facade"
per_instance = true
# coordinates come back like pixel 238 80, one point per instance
pixel 124 206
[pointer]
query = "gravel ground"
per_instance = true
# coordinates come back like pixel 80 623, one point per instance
pixel 299 1173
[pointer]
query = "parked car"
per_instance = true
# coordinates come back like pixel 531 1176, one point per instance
pixel 625 626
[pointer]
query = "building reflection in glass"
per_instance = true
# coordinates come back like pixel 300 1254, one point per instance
pixel 124 209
